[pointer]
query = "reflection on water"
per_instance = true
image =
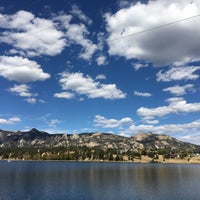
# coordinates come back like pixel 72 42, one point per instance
pixel 82 180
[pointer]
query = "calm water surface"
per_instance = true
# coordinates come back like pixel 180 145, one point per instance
pixel 85 180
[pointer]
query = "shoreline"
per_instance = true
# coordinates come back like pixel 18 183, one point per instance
pixel 144 160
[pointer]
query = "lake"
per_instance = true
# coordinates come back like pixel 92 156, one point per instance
pixel 98 180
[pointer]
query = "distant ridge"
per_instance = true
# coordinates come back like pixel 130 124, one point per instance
pixel 147 141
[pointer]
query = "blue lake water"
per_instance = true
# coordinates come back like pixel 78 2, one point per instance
pixel 90 181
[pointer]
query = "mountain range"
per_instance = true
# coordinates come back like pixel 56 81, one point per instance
pixel 147 141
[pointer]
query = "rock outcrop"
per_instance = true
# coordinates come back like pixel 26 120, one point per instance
pixel 148 141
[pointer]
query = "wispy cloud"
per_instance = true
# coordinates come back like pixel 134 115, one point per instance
pixel 22 90
pixel 180 90
pixel 189 129
pixel 176 106
pixel 142 94
pixel 77 34
pixel 31 100
pixel 101 77
pixel 53 122
pixel 138 66
pixel 178 73
pixel 9 121
pixel 77 12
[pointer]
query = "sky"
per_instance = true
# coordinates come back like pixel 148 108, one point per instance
pixel 117 66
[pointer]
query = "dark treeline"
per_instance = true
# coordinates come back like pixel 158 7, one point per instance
pixel 83 153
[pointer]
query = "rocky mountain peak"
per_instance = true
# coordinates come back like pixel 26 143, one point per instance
pixel 142 137
pixel 148 141
pixel 34 130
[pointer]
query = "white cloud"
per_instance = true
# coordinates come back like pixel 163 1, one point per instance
pixel 138 66
pixel 64 95
pixel 85 85
pixel 176 106
pixel 175 44
pixel 22 90
pixel 32 35
pixel 53 122
pixel 31 100
pixel 9 121
pixel 178 74
pixel 189 129
pixel 100 121
pixel 124 3
pixel 41 101
pixel 101 40
pixel 179 90
pixel 152 121
pixel 21 69
pixel 100 77
pixel 170 129
pixel 101 60
pixel 77 34
pixel 79 14
pixel 142 94
pixel 192 138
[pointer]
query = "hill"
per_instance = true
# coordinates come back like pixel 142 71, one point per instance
pixel 140 141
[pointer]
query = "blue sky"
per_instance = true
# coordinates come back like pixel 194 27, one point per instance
pixel 108 66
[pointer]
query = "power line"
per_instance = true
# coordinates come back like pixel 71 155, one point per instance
pixel 154 28
pixel 126 36
pixel 119 38
pixel 122 37
pixel 33 33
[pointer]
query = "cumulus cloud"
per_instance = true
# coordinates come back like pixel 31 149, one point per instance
pixel 79 84
pixel 179 90
pixel 30 36
pixel 148 45
pixel 101 60
pixel 100 121
pixel 21 69
pixel 178 74
pixel 9 121
pixel 142 94
pixel 64 95
pixel 100 77
pixel 176 106
pixel 33 35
